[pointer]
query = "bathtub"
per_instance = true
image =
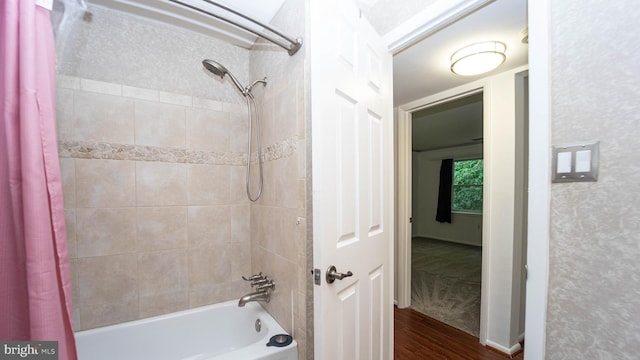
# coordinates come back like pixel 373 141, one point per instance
pixel 219 331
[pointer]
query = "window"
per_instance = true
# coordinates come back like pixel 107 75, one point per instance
pixel 467 185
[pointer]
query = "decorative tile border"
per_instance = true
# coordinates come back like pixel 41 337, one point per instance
pixel 113 151
pixel 110 151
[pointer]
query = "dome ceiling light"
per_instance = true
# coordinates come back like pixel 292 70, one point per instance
pixel 478 58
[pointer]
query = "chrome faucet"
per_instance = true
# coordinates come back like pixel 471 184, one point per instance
pixel 262 295
pixel 263 285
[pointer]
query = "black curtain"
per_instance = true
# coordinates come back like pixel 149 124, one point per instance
pixel 445 193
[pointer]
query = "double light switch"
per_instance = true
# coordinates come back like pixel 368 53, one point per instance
pixel 576 162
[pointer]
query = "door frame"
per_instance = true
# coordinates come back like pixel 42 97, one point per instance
pixel 404 142
pixel 500 265
pixel 432 19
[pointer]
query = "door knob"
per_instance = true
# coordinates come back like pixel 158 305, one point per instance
pixel 332 275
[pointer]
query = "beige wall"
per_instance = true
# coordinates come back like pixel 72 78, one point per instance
pixel 593 299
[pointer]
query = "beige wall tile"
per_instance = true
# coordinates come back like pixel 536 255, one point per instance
pixel 159 183
pixel 286 245
pixel 70 222
pixel 284 274
pixel 267 117
pixel 232 290
pixel 301 153
pixel 77 324
pixel 208 266
pixel 270 228
pixel 237 190
pixel 240 259
pixel 105 231
pixel 238 108
pixel 100 87
pixel 238 132
pixel 176 99
pixel 240 223
pixel 255 220
pixel 105 183
pixel 108 290
pixel 302 198
pixel 268 197
pixel 210 104
pixel 285 183
pixel 75 293
pixel 207 130
pixel 103 118
pixel 285 114
pixel 140 93
pixel 161 228
pixel 209 184
pixel 162 272
pixel 160 304
pixel 209 225
pixel 68 173
pixel 158 124
pixel 301 119
pixel 64 114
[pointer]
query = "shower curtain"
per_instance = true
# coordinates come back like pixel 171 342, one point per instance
pixel 35 287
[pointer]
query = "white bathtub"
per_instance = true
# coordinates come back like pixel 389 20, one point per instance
pixel 219 331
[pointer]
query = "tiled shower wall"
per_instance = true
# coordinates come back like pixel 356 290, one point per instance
pixel 153 161
pixel 278 219
pixel 280 245
pixel 154 197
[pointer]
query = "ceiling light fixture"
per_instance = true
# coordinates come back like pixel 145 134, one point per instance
pixel 478 58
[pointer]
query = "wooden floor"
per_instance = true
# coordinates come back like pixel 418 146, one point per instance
pixel 420 337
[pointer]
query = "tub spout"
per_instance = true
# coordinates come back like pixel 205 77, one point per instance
pixel 262 295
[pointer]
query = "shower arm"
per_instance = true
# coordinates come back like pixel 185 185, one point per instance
pixel 293 44
pixel 250 87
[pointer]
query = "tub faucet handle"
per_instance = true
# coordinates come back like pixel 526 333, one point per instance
pixel 269 285
pixel 260 281
pixel 254 277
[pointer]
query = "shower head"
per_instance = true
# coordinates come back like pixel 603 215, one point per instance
pixel 215 67
pixel 219 70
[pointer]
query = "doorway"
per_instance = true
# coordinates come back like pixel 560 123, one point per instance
pixel 502 264
pixel 446 254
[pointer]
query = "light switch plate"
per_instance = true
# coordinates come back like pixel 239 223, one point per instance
pixel 576 162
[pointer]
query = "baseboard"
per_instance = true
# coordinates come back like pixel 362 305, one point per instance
pixel 504 350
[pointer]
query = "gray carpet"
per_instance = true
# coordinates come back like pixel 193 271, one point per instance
pixel 445 282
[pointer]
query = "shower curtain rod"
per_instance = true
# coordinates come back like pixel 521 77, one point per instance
pixel 292 46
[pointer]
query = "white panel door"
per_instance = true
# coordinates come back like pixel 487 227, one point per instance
pixel 352 166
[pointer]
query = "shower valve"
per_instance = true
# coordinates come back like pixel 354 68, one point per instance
pixel 270 285
pixel 254 277
pixel 260 281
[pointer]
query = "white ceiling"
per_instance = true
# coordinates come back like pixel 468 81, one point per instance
pixel 423 69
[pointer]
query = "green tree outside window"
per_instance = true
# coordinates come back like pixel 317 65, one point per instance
pixel 467 185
